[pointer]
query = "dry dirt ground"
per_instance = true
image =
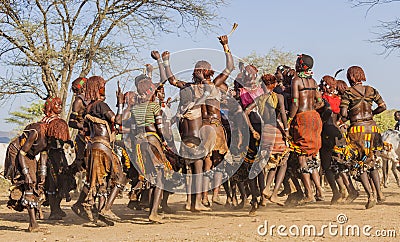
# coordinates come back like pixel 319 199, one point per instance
pixel 221 224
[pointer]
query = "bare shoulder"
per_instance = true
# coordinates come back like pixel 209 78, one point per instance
pixel 314 82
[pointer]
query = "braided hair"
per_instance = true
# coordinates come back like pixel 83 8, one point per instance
pixel 94 86
pixel 49 105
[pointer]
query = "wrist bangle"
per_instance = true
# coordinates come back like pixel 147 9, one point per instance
pixel 23 153
pixel 166 62
pixel 159 61
pixel 226 71
pixel 227 51
pixel 25 171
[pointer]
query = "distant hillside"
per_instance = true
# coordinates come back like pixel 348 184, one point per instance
pixel 6 136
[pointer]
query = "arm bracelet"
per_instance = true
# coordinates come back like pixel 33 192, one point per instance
pixel 25 171
pixel 166 62
pixel 120 108
pixel 23 153
pixel 43 171
pixel 226 71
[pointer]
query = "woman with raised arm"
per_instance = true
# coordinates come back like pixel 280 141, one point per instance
pixel 192 98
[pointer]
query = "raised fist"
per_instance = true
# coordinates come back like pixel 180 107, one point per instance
pixel 155 55
pixel 120 96
pixel 165 55
pixel 149 68
pixel 223 39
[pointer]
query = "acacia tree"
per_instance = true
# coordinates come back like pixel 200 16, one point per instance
pixel 47 43
pixel 26 115
pixel 389 31
pixel 269 62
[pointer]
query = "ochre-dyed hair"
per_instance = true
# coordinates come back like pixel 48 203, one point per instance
pixel 49 104
pixel 328 84
pixel 208 72
pixel 355 74
pixel 93 86
pixel 249 73
pixel 268 79
pixel 130 97
pixel 58 129
pixel 78 84
pixel 251 69
pixel 341 86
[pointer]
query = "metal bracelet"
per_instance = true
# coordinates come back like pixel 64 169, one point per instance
pixel 23 153
pixel 25 171
pixel 226 71
pixel 43 171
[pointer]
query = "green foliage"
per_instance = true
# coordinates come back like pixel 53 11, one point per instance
pixel 268 63
pixel 385 120
pixel 26 115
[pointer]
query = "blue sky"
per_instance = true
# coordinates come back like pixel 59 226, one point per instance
pixel 333 32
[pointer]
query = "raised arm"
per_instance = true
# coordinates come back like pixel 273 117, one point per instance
pixel 221 78
pixel 156 56
pixel 149 70
pixel 171 78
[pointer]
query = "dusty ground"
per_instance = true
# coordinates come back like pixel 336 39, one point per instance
pixel 221 224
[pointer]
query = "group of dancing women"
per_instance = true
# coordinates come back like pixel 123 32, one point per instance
pixel 266 135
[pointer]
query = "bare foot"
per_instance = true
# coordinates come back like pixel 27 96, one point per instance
pixel 319 198
pixel 274 199
pixel 308 199
pixel 267 193
pixel 108 214
pixel 263 201
pixel 336 198
pixel 253 209
pixel 228 202
pixel 371 203
pixel 33 228
pixel 188 206
pixel 217 200
pixel 234 201
pixel 352 196
pixel 156 219
pixel 201 207
pixel 205 202
pixel 381 200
